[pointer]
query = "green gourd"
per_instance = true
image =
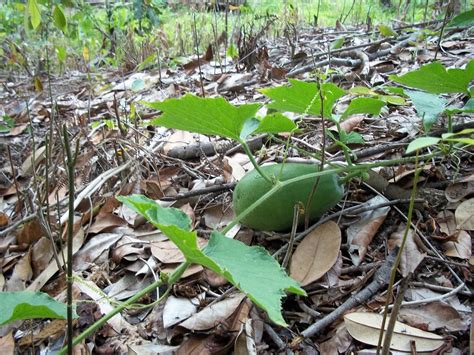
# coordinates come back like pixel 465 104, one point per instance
pixel 276 213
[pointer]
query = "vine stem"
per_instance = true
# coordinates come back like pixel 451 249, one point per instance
pixel 254 162
pixel 173 278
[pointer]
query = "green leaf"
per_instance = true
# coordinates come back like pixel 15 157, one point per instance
pixel 35 15
pixel 462 20
pixel 254 272
pixel 303 97
pixel 161 215
pixel 392 99
pixel 247 268
pixel 354 138
pixel 61 54
pixel 275 123
pixel 387 31
pixel 211 116
pixel 363 105
pixel 59 19
pixel 422 142
pixel 232 51
pixel 29 305
pixel 428 106
pixel 361 90
pixel 7 125
pixel 434 78
pixel 337 43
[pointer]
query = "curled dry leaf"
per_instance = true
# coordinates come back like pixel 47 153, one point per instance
pixel 365 327
pixel 465 215
pixel 316 253
pixel 459 249
pixel 361 233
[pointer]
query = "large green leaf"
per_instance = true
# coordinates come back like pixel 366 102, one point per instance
pixel 254 272
pixel 59 18
pixel 211 116
pixel 215 116
pixel 303 97
pixel 428 106
pixel 247 268
pixel 29 305
pixel 434 78
pixel 464 19
pixel 35 15
pixel 363 105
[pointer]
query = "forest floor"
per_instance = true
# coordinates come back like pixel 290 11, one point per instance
pixel 346 256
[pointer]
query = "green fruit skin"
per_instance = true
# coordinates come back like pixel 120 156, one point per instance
pixel 276 213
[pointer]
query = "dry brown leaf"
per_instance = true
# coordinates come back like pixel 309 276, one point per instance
pixel 27 167
pixel 411 255
pixel 21 274
pixel 7 344
pixel 316 253
pixel 50 331
pixel 52 268
pixel 168 253
pixel 3 219
pixel 433 316
pixel 365 327
pixel 106 221
pixel 361 233
pixel 177 309
pixel 213 314
pixel 457 191
pixel 217 217
pixel 93 249
pixel 461 248
pixel 41 255
pixel 337 343
pixel 447 222
pixel 30 232
pixel 465 215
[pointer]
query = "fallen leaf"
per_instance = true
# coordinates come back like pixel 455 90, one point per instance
pixel 465 215
pixel 7 344
pixel 365 327
pixel 361 233
pixel 93 249
pixel 105 221
pixel 41 255
pixel 213 314
pixel 411 255
pixel 433 316
pixel 217 217
pixel 461 248
pixel 316 253
pixel 457 191
pixel 168 253
pixel 177 309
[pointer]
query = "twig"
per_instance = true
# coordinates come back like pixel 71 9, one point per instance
pixel 453 292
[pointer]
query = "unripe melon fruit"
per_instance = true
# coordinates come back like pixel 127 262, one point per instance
pixel 276 213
